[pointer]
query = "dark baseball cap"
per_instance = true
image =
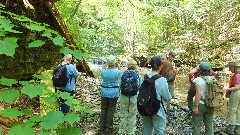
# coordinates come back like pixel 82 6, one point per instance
pixel 155 61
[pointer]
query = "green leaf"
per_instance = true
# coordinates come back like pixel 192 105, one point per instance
pixel 19 130
pixel 83 108
pixel 43 133
pixel 1 5
pixel 42 77
pixel 49 99
pixel 35 27
pixel 35 118
pixel 65 95
pixel 78 55
pixel 47 34
pixel 7 82
pixel 9 95
pixel 6 23
pixel 8 46
pixel 69 131
pixel 51 120
pixel 66 50
pixel 32 91
pixel 27 111
pixel 24 82
pixel 22 19
pixel 72 117
pixel 11 112
pixel 36 43
pixel 58 41
pixel 0 126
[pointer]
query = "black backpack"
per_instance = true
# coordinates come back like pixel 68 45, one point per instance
pixel 147 102
pixel 129 83
pixel 59 77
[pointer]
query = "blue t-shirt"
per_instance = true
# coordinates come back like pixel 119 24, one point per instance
pixel 110 86
pixel 72 74
pixel 161 86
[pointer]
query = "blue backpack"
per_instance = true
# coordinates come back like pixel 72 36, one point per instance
pixel 129 83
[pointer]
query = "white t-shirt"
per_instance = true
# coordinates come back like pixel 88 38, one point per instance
pixel 200 81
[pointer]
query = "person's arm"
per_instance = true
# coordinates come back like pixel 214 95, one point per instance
pixel 119 67
pixel 104 66
pixel 197 98
pixel 235 88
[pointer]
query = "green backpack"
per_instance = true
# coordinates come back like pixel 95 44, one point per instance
pixel 214 92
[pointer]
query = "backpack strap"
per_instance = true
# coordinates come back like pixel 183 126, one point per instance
pixel 156 76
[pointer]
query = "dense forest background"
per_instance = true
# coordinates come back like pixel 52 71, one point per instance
pixel 193 28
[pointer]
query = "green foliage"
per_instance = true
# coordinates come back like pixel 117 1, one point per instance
pixel 52 120
pixel 9 95
pixel 69 131
pixel 36 43
pixel 7 82
pixel 20 130
pixel 11 112
pixel 8 46
pixel 32 90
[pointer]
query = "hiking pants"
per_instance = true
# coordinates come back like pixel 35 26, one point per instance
pixel 205 114
pixel 108 106
pixel 153 125
pixel 128 112
pixel 171 87
pixel 233 115
pixel 191 94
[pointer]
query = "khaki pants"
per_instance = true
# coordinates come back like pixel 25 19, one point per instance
pixel 108 107
pixel 128 112
pixel 233 115
pixel 205 114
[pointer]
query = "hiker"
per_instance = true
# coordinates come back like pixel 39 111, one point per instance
pixel 166 71
pixel 171 85
pixel 194 73
pixel 128 99
pixel 157 122
pixel 72 74
pixel 233 114
pixel 201 112
pixel 109 94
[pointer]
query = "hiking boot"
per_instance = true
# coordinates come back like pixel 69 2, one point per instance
pixel 230 129
pixel 237 130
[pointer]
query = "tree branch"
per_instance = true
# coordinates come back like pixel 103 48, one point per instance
pixel 75 11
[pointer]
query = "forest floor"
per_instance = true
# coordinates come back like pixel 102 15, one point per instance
pixel 178 123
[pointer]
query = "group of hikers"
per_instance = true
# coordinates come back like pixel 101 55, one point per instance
pixel 150 95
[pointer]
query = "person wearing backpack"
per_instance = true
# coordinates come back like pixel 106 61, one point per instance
pixel 71 74
pixel 130 83
pixel 233 114
pixel 202 112
pixel 194 73
pixel 152 109
pixel 166 71
pixel 109 94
